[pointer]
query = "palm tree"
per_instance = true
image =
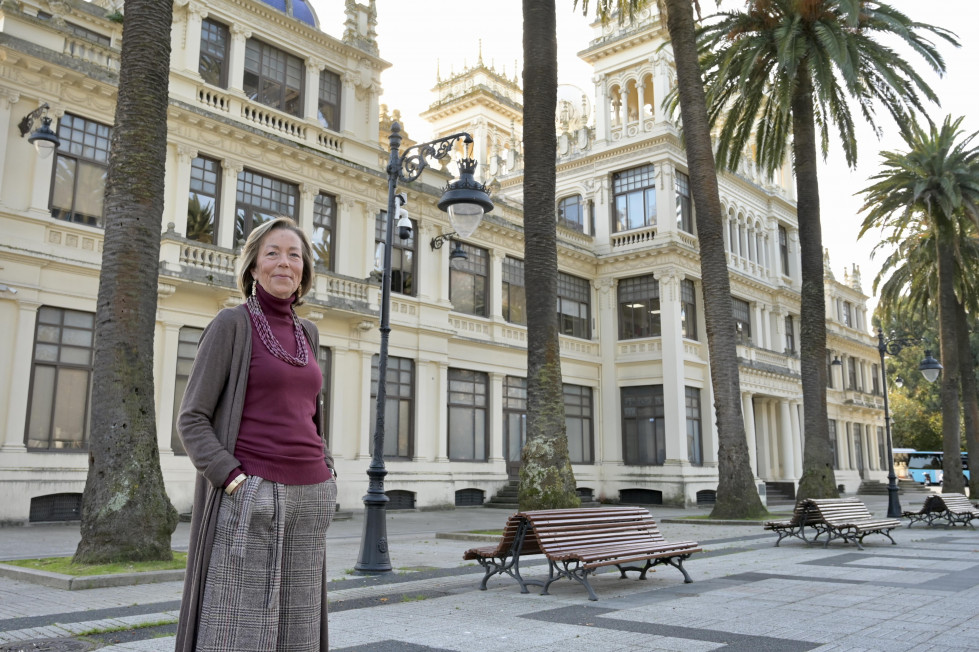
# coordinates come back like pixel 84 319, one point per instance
pixel 737 496
pixel 546 479
pixel 781 73
pixel 126 514
pixel 934 187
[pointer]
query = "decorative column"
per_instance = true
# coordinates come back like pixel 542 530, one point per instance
pixel 192 37
pixel 307 195
pixel 674 398
pixel 312 90
pixel 786 442
pixel 496 289
pixel 441 413
pixel 641 103
pixel 602 107
pixel 747 408
pixel 8 99
pixel 797 443
pixel 427 399
pixel 364 433
pixel 236 59
pixel 496 418
pixel 610 435
pixel 16 393
pixel 227 206
pixel 166 345
pixel 181 194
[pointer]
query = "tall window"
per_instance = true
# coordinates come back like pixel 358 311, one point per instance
pixel 202 208
pixel 695 440
pixel 634 193
pixel 187 341
pixel 875 378
pixel 468 415
pixel 213 65
pixel 833 444
pixel 851 369
pixel 643 425
pixel 573 306
pixel 80 168
pixel 273 77
pixel 684 204
pixel 514 292
pixel 402 255
pixel 789 334
pixel 829 369
pixel 469 282
pixel 60 386
pixel 260 199
pixel 783 248
pixel 578 419
pixel 881 448
pixel 847 314
pixel 514 417
pixel 688 309
pixel 639 314
pixel 324 230
pixel 570 213
pixel 742 320
pixel 328 108
pixel 325 360
pixel 399 399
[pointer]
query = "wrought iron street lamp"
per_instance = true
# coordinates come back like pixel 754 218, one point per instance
pixel 465 200
pixel 929 368
pixel 43 138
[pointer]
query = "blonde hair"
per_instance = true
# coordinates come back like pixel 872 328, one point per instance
pixel 249 255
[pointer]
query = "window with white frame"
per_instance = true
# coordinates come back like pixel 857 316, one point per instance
pixel 789 334
pixel 688 309
pixel 695 439
pixel 187 341
pixel 403 278
pixel 399 399
pixel 61 378
pixel 573 306
pixel 833 444
pixel 324 230
pixel 81 165
pixel 514 292
pixel 643 425
pixel 783 249
pixel 203 206
pixel 741 310
pixel 325 361
pixel 634 197
pixel 514 417
pixel 684 203
pixel 213 65
pixel 579 419
pixel 261 198
pixel 571 214
pixel 639 310
pixel 469 282
pixel 273 77
pixel 468 415
pixel 328 108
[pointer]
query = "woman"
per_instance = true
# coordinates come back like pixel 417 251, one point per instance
pixel 251 423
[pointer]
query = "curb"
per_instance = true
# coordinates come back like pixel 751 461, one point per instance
pixel 74 583
pixel 468 536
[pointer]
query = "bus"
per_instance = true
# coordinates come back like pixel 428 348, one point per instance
pixel 925 467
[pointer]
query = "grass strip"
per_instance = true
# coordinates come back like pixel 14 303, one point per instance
pixel 64 566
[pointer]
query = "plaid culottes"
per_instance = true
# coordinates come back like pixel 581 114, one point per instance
pixel 264 586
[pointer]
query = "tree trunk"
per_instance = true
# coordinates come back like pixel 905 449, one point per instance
pixel 546 479
pixel 970 399
pixel 126 515
pixel 951 439
pixel 737 496
pixel 818 480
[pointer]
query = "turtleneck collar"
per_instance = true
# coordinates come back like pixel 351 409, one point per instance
pixel 274 306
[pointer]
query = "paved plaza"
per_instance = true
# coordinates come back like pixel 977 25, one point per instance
pixel 921 594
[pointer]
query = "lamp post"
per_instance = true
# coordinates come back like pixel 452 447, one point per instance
pixel 465 200
pixel 929 367
pixel 44 139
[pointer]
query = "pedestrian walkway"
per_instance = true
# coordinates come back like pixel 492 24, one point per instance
pixel 922 594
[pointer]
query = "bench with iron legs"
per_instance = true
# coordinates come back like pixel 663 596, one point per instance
pixel 577 542
pixel 956 508
pixel 504 557
pixel 931 510
pixel 848 519
pixel 796 526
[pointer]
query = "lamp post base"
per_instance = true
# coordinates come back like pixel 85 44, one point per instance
pixel 893 502
pixel 374 556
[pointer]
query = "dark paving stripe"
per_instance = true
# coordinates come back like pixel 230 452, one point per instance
pixel 27 622
pixel 391 646
pixel 585 616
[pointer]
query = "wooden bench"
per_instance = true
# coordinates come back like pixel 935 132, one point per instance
pixel 577 542
pixel 849 519
pixel 930 511
pixel 956 508
pixel 796 526
pixel 504 557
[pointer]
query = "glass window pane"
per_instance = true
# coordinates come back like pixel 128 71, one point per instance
pixel 42 400
pixel 70 410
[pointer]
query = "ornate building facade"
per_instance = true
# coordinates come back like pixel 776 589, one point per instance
pixel 270 115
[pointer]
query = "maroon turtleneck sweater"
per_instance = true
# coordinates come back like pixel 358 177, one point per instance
pixel 277 439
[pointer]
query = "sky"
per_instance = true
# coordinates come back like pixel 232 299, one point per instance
pixel 426 38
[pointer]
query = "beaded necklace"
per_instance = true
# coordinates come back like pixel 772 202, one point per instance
pixel 268 337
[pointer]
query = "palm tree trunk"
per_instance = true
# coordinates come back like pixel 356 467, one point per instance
pixel 546 479
pixel 970 399
pixel 818 480
pixel 951 440
pixel 126 514
pixel 737 496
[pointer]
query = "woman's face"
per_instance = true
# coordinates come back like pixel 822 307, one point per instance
pixel 279 266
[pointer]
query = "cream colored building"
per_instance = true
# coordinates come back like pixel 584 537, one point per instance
pixel 270 115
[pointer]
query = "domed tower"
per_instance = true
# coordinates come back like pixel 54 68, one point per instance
pixel 298 9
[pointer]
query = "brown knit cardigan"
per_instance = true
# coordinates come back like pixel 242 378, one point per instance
pixel 208 425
